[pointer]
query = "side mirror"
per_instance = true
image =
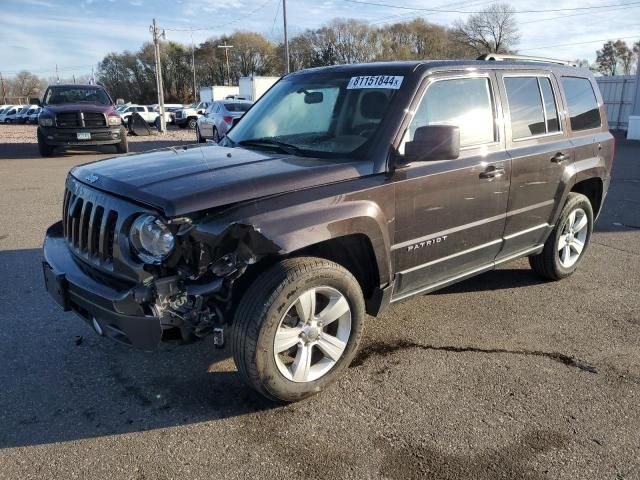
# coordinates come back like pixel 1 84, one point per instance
pixel 433 142
pixel 201 111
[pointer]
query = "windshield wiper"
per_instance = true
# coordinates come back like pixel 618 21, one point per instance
pixel 285 147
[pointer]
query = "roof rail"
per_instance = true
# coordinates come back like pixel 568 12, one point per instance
pixel 523 58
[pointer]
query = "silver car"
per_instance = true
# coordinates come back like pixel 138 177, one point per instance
pixel 219 117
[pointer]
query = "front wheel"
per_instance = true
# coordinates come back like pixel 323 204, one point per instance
pixel 567 243
pixel 192 123
pixel 123 145
pixel 44 149
pixel 297 328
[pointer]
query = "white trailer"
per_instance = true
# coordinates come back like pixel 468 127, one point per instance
pixel 217 92
pixel 252 88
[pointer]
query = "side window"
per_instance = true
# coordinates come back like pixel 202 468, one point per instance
pixel 525 107
pixel 581 101
pixel 465 102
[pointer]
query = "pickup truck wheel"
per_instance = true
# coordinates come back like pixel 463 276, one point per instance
pixel 44 149
pixel 157 123
pixel 297 328
pixel 192 123
pixel 123 146
pixel 565 247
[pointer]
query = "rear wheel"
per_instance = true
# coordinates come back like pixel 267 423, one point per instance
pixel 567 243
pixel 297 328
pixel 44 149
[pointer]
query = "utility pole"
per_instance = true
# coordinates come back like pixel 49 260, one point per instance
pixel 286 39
pixel 193 65
pixel 156 43
pixel 226 56
pixel 57 76
pixel 4 92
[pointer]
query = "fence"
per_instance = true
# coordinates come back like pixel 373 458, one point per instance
pixel 618 94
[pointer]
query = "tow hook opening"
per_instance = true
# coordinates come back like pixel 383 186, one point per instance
pixel 96 326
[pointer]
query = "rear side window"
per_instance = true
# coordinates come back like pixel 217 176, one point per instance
pixel 581 100
pixel 532 106
pixel 465 102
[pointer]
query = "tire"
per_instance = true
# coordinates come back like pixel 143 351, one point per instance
pixel 554 263
pixel 273 299
pixel 198 136
pixel 123 145
pixel 157 123
pixel 192 122
pixel 44 149
pixel 216 135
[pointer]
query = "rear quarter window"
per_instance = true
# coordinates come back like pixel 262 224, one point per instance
pixel 584 111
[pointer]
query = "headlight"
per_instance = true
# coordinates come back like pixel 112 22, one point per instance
pixel 114 120
pixel 151 239
pixel 45 121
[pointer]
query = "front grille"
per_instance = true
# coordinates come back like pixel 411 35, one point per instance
pixel 80 120
pixel 89 228
pixel 68 120
pixel 179 115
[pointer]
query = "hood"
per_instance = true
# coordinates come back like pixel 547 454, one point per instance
pixel 179 181
pixel 74 107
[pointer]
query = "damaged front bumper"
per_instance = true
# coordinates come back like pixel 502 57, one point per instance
pixel 119 311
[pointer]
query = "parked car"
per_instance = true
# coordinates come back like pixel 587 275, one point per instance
pixel 343 190
pixel 169 112
pixel 10 114
pixel 219 117
pixel 4 108
pixel 33 116
pixel 79 115
pixel 188 116
pixel 23 114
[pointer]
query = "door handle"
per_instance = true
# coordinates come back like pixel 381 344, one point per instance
pixel 492 172
pixel 559 157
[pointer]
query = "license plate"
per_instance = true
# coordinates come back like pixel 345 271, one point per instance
pixel 84 135
pixel 56 286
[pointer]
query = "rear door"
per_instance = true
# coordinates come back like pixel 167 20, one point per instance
pixel 450 214
pixel 540 150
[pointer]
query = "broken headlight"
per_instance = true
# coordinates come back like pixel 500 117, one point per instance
pixel 151 239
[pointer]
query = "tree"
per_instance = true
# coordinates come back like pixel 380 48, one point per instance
pixel 617 57
pixel 494 30
pixel 26 84
pixel 606 59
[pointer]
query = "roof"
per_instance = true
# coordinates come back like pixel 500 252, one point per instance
pixel 74 85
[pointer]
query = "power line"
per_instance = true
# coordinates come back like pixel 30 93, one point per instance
pixel 571 15
pixel 218 27
pixel 435 10
pixel 576 43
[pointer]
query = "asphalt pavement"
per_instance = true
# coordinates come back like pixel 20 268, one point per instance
pixel 501 376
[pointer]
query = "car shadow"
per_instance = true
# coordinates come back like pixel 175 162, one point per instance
pixel 62 382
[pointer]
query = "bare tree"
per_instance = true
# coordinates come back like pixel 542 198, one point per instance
pixel 494 30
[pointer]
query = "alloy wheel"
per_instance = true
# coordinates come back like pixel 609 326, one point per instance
pixel 313 334
pixel 572 240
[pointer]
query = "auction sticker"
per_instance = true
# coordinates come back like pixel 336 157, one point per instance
pixel 375 81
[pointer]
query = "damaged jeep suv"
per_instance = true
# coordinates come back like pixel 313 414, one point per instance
pixel 341 191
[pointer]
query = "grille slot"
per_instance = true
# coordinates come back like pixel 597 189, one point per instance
pixel 89 228
pixel 93 119
pixel 68 119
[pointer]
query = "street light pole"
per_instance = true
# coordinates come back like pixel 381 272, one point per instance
pixel 286 39
pixel 156 43
pixel 193 65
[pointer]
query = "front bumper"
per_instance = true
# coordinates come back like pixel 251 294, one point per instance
pixel 118 310
pixel 68 137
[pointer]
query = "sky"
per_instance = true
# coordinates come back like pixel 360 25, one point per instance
pixel 36 35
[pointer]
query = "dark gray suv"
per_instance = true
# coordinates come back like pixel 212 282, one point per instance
pixel 343 190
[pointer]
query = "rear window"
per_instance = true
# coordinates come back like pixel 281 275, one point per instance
pixel 237 107
pixel 581 100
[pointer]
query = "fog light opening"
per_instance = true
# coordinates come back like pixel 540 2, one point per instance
pixel 97 327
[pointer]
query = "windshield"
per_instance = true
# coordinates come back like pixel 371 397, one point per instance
pixel 59 95
pixel 324 114
pixel 237 107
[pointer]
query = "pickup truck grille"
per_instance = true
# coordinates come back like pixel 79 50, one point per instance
pixel 89 228
pixel 80 120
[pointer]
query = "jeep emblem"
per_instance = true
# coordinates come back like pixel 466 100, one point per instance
pixel 93 178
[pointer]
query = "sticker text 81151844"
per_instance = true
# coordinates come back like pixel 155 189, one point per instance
pixel 375 81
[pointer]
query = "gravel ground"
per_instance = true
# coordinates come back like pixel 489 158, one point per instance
pixel 26 134
pixel 501 376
